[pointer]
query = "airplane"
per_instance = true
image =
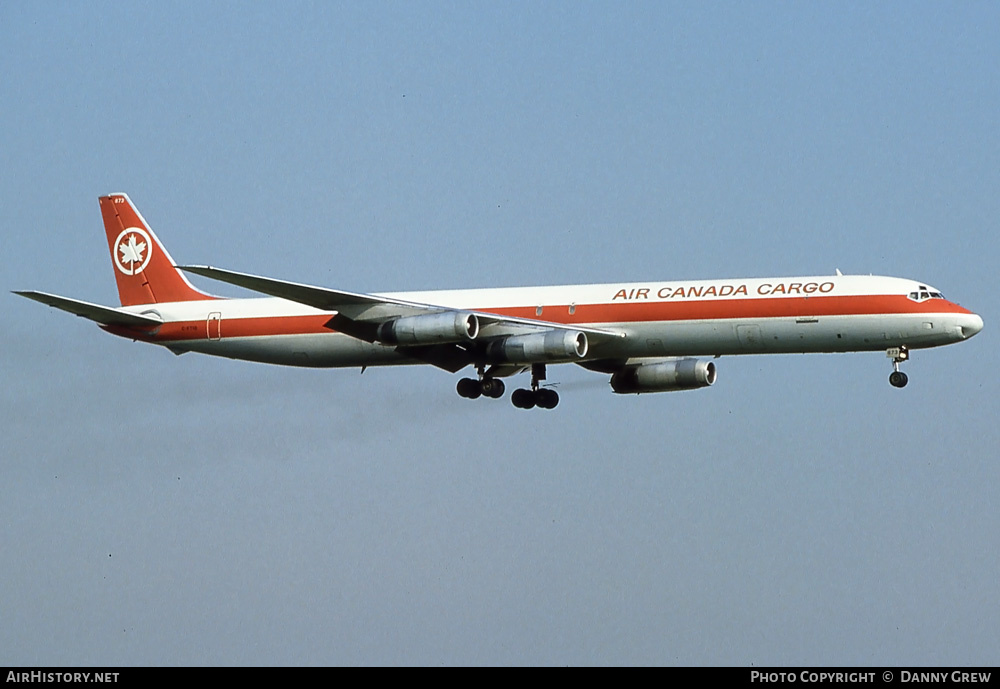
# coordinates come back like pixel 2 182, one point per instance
pixel 647 336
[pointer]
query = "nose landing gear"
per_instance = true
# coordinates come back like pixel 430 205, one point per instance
pixel 897 378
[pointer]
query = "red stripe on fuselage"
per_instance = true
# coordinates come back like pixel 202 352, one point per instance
pixel 719 309
pixel 243 327
pixel 590 314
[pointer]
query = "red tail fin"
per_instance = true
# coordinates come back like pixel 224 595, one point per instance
pixel 143 268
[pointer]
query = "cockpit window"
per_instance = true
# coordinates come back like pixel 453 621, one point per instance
pixel 925 293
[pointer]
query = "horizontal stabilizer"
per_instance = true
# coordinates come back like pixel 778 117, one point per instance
pixel 95 312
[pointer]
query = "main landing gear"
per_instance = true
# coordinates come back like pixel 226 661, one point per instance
pixel 487 386
pixel 897 378
pixel 543 398
pixel 470 388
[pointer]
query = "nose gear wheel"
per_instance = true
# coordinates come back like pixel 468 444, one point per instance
pixel 897 378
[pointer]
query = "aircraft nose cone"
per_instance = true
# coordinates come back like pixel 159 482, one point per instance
pixel 972 324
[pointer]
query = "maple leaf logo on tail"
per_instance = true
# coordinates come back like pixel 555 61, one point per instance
pixel 132 251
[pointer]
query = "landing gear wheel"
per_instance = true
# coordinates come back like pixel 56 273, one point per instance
pixel 492 388
pixel 543 398
pixel 546 398
pixel 523 399
pixel 897 378
pixel 470 388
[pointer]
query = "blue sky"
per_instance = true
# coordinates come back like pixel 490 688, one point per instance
pixel 187 510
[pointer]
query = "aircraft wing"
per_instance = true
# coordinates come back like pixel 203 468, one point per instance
pixel 359 315
pixel 323 298
pixel 104 315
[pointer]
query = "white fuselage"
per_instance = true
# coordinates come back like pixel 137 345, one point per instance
pixel 659 319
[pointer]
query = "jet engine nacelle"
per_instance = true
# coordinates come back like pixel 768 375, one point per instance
pixel 681 374
pixel 535 348
pixel 431 328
